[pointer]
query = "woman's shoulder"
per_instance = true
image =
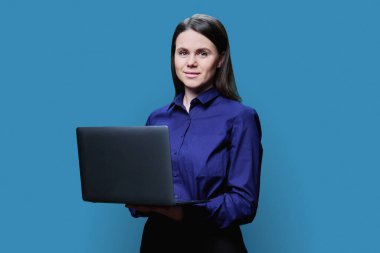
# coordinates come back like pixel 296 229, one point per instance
pixel 243 116
pixel 160 110
pixel 158 113
pixel 238 109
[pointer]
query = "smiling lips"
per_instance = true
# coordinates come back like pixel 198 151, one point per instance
pixel 191 74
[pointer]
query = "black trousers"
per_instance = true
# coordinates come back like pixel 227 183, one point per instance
pixel 162 234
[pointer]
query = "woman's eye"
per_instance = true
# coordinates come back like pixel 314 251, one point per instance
pixel 182 53
pixel 203 53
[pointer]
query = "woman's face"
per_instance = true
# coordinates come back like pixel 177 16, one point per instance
pixel 196 60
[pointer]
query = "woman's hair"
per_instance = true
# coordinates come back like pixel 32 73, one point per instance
pixel 214 30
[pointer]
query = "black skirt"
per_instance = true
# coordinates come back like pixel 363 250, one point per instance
pixel 162 234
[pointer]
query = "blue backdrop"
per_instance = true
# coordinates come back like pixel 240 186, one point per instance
pixel 310 68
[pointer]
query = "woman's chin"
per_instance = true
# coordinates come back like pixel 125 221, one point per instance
pixel 197 88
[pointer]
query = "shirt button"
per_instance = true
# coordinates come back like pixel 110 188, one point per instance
pixel 176 196
pixel 175 152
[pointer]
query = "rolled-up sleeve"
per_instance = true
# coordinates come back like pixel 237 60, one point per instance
pixel 238 204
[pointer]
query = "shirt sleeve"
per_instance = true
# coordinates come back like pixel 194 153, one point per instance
pixel 238 204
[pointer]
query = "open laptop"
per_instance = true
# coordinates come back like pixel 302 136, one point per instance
pixel 129 165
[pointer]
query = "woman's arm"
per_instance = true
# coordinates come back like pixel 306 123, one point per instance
pixel 239 203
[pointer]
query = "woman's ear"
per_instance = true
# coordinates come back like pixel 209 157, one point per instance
pixel 221 59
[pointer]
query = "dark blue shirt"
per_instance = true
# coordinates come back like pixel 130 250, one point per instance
pixel 216 154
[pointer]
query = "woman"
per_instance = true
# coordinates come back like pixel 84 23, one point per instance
pixel 215 144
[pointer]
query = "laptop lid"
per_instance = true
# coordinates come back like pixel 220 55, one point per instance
pixel 130 165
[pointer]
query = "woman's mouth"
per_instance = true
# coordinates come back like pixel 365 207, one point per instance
pixel 191 74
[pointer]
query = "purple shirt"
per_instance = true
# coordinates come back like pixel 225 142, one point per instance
pixel 216 154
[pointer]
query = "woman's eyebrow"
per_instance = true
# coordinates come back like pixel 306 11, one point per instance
pixel 198 49
pixel 204 49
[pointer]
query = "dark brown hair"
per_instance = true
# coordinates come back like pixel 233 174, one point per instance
pixel 214 30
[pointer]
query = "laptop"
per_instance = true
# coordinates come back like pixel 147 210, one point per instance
pixel 129 165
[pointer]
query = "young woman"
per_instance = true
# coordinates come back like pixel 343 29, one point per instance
pixel 215 144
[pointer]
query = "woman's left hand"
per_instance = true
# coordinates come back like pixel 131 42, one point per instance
pixel 173 212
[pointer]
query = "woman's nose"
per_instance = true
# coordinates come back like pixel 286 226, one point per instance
pixel 191 61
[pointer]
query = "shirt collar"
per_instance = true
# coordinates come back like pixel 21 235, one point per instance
pixel 208 95
pixel 203 98
pixel 177 101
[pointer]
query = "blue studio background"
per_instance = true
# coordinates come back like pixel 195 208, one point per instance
pixel 310 68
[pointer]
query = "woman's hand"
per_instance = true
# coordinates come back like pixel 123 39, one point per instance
pixel 173 212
